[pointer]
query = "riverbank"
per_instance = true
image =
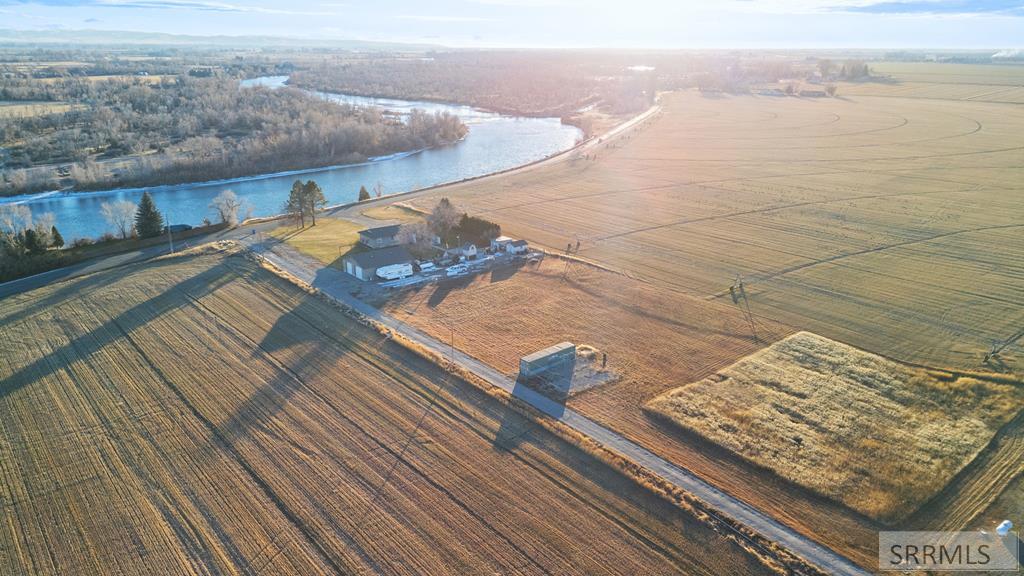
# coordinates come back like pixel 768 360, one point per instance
pixel 22 198
pixel 580 146
pixel 494 143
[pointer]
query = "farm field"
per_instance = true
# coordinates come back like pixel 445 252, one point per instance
pixel 15 109
pixel 943 81
pixel 889 224
pixel 836 213
pixel 200 414
pixel 841 421
pixel 655 339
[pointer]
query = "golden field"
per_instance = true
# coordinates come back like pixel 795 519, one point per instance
pixel 201 415
pixel 876 435
pixel 656 339
pixel 838 213
pixel 890 224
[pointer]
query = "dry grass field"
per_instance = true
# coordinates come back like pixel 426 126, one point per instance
pixel 876 435
pixel 839 214
pixel 655 339
pixel 942 81
pixel 891 224
pixel 198 415
pixel 14 109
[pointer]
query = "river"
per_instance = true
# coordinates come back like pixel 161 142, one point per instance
pixel 495 142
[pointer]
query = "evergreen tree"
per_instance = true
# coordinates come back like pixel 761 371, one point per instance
pixel 363 194
pixel 295 205
pixel 56 240
pixel 313 198
pixel 33 243
pixel 148 221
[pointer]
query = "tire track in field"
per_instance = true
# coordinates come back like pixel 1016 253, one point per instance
pixel 766 210
pixel 267 490
pixel 875 249
pixel 830 160
pixel 979 484
pixel 398 455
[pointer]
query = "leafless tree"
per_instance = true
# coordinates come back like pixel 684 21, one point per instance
pixel 15 218
pixel 42 224
pixel 227 205
pixel 120 215
pixel 443 218
pixel 418 236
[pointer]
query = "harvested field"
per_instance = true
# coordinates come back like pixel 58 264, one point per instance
pixel 876 435
pixel 656 340
pixel 943 81
pixel 889 223
pixel 837 212
pixel 201 415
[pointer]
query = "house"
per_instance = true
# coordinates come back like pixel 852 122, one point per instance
pixel 499 243
pixel 467 251
pixel 380 237
pixel 517 247
pixel 364 265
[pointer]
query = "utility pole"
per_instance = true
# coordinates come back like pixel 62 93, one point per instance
pixel 451 361
pixel 739 293
pixel 170 240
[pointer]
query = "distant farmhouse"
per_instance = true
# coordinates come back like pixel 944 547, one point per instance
pixel 467 251
pixel 509 245
pixel 380 237
pixel 364 265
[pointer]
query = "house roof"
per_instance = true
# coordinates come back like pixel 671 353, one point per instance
pixel 519 243
pixel 553 349
pixel 381 231
pixel 382 257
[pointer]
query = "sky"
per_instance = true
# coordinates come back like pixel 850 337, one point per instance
pixel 556 23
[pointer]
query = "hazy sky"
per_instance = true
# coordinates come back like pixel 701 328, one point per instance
pixel 624 23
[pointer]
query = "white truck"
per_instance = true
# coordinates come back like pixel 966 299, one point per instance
pixel 456 270
pixel 394 271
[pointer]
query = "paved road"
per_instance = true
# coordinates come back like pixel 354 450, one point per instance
pixel 334 283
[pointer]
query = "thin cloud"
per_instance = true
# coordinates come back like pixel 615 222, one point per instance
pixel 434 18
pixel 939 7
pixel 200 5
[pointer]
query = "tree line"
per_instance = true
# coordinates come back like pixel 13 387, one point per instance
pixel 521 83
pixel 132 132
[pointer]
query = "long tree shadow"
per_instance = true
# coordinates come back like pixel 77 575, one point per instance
pixel 297 348
pixel 502 273
pixel 77 287
pixel 95 340
pixel 446 287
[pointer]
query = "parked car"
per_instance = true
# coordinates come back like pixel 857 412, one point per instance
pixel 427 267
pixel 457 270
